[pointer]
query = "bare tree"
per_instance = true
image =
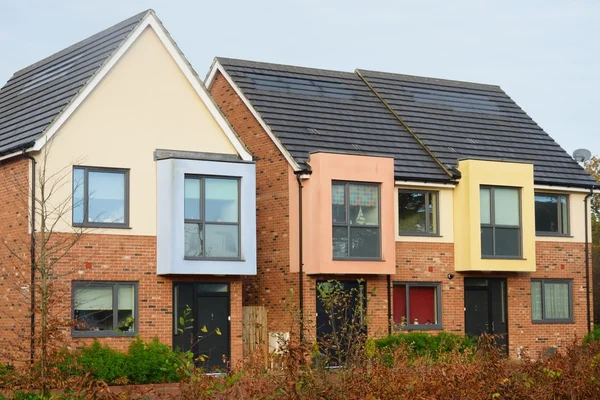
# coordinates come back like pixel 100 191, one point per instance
pixel 592 166
pixel 41 277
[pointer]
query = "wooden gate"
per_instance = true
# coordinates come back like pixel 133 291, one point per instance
pixel 254 331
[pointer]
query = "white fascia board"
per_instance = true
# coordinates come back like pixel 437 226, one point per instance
pixel 549 188
pixel 150 20
pixel 425 184
pixel 217 67
pixel 15 154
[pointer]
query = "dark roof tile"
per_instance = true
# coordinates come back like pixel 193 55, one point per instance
pixel 312 110
pixel 36 95
pixel 461 120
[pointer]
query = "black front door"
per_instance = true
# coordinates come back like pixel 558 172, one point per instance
pixel 485 309
pixel 201 322
pixel 341 312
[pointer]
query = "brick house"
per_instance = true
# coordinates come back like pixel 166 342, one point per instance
pixel 155 182
pixel 444 196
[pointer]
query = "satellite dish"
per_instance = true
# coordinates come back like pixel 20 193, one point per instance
pixel 582 155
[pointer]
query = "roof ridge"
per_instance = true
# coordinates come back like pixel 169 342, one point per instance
pixel 219 59
pixel 427 78
pixel 137 17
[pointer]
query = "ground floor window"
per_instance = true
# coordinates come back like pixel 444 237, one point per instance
pixel 104 308
pixel 551 300
pixel 417 305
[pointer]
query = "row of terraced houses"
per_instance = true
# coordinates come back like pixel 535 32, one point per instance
pixel 253 187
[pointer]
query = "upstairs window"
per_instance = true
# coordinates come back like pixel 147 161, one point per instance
pixel 417 212
pixel 100 197
pixel 500 222
pixel 551 214
pixel 212 217
pixel 356 227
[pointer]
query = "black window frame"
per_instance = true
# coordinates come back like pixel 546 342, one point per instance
pixel 427 217
pixel 422 327
pixel 559 216
pixel 545 320
pixel 493 225
pixel 347 224
pixel 202 221
pixel 115 290
pixel 85 223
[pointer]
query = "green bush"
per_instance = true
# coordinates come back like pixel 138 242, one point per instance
pixel 593 336
pixel 152 362
pixel 103 362
pixel 426 344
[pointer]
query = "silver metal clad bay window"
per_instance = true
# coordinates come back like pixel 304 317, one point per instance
pixel 212 217
pixel 356 221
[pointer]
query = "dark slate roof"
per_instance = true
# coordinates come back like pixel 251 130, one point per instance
pixel 459 120
pixel 312 110
pixel 36 95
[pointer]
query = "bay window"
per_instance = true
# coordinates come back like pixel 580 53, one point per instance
pixel 356 226
pixel 212 220
pixel 500 209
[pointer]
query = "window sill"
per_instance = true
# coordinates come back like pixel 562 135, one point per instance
pixel 103 226
pixel 213 259
pixel 551 234
pixel 554 322
pixel 423 327
pixel 503 258
pixel 419 234
pixel 97 334
pixel 358 259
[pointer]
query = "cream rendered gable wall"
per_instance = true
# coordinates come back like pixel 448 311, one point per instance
pixel 144 103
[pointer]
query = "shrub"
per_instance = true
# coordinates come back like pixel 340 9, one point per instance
pixel 103 362
pixel 426 344
pixel 593 336
pixel 152 362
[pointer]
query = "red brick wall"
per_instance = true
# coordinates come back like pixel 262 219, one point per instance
pixel 554 260
pixel 133 258
pixel 14 259
pixel 273 286
pixel 94 257
pixel 431 262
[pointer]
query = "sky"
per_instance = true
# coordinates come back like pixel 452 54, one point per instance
pixel 544 54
